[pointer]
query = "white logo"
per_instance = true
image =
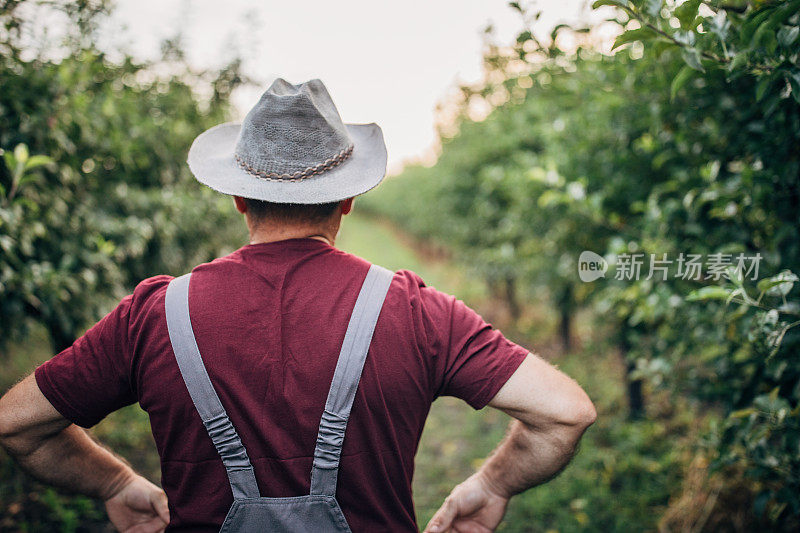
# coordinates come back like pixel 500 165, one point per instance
pixel 591 266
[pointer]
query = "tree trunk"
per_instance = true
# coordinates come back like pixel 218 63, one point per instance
pixel 61 337
pixel 494 287
pixel 512 302
pixel 635 395
pixel 566 307
pixel 60 340
pixel 565 329
pixel 634 386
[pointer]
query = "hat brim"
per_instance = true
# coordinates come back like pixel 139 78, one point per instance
pixel 211 160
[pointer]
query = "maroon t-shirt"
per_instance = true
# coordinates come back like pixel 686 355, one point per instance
pixel 269 321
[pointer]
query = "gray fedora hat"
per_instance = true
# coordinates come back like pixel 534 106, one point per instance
pixel 292 147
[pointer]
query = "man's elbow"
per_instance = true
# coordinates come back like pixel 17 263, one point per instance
pixel 567 420
pixel 585 415
pixel 9 432
pixel 579 415
pixel 15 436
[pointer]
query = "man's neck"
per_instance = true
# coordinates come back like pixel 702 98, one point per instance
pixel 282 233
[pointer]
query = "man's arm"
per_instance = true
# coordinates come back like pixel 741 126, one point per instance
pixel 551 412
pixel 59 453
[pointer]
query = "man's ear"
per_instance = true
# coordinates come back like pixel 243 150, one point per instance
pixel 347 206
pixel 241 206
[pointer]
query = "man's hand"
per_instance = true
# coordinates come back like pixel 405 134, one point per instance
pixel 56 452
pixel 472 507
pixel 552 413
pixel 138 507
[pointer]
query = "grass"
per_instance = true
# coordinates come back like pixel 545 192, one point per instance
pixel 622 479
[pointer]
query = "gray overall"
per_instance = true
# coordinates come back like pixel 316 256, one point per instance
pixel 318 511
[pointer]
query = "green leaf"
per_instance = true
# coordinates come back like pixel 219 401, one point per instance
pixel 660 46
pixel 550 197
pixel 680 79
pixel 37 161
pixel 653 7
pixel 686 13
pixel 709 293
pixel 779 285
pixel 600 3
pixel 734 294
pixel 28 178
pixel 761 88
pixel 692 58
pixel 556 29
pixel 21 153
pixel 744 413
pixel 11 162
pixel 629 36
pixel 761 33
pixel 785 12
pixel 788 35
pixel 752 23
pixel 738 61
pixel 794 83
pixel 524 36
pixel 736 276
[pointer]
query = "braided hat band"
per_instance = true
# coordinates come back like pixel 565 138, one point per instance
pixel 292 147
pixel 300 174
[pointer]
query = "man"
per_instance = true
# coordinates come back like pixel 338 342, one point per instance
pixel 267 324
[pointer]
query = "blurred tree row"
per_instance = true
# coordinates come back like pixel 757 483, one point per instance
pixel 686 141
pixel 95 194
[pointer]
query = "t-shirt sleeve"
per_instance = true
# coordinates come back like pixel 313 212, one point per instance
pixel 93 377
pixel 472 359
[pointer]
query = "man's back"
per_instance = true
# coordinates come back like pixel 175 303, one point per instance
pixel 269 321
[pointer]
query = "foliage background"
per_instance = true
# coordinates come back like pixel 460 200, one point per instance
pixel 104 210
pixel 683 139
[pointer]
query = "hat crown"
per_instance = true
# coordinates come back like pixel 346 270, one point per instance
pixel 293 132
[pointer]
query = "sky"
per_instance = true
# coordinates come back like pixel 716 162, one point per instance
pixel 383 62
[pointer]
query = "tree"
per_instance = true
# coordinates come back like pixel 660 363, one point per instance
pixel 116 202
pixel 683 142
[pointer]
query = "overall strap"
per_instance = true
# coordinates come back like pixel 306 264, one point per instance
pixel 346 378
pixel 204 397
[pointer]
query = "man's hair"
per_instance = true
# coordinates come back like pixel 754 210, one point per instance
pixel 300 213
